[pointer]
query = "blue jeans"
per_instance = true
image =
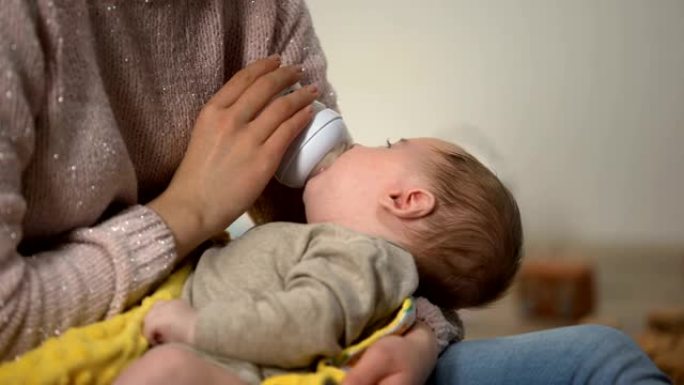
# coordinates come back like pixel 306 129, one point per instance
pixel 588 354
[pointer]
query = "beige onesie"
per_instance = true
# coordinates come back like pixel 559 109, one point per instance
pixel 285 294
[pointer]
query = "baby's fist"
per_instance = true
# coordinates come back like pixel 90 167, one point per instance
pixel 170 321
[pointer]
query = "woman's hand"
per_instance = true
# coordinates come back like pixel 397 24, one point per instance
pixel 236 145
pixel 397 360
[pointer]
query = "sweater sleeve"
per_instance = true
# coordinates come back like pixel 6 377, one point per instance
pixel 95 272
pixel 329 298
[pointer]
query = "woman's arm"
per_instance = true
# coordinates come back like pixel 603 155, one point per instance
pixel 92 272
pixel 397 360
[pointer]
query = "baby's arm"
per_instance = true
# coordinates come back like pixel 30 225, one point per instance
pixel 328 299
pixel 170 321
pixel 398 360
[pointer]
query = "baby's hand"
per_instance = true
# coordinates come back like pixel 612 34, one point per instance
pixel 170 321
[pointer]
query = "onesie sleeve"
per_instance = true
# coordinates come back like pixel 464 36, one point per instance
pixel 445 324
pixel 329 298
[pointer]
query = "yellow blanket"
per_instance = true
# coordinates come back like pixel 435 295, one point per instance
pixel 330 371
pixel 96 354
pixel 93 354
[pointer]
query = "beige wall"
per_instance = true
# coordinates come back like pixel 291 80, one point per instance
pixel 578 104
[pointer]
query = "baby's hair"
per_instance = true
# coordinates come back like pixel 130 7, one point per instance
pixel 469 248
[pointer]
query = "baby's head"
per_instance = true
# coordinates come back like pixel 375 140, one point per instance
pixel 440 203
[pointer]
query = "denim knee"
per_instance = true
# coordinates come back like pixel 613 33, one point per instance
pixel 586 354
pixel 611 339
pixel 607 355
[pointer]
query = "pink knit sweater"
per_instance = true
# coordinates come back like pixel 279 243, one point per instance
pixel 97 100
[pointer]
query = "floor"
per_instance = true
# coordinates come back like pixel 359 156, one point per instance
pixel 630 282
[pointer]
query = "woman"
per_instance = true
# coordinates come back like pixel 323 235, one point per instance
pixel 111 175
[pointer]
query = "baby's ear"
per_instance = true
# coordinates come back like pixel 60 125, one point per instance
pixel 413 203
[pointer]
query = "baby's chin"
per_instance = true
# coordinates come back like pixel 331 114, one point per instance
pixel 314 209
pixel 313 183
pixel 306 199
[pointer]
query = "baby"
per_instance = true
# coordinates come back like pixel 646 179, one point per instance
pixel 418 217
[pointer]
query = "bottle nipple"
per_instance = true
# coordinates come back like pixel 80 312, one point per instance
pixel 329 158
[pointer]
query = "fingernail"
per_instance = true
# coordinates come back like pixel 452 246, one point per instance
pixel 309 110
pixel 313 89
pixel 274 57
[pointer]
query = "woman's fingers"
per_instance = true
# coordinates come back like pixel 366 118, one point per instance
pixel 273 118
pixel 287 131
pixel 263 90
pixel 240 137
pixel 241 81
pixel 373 368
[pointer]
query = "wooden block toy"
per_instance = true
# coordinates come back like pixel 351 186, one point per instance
pixel 663 341
pixel 556 289
pixel 667 320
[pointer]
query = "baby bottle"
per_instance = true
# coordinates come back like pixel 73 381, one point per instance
pixel 315 148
